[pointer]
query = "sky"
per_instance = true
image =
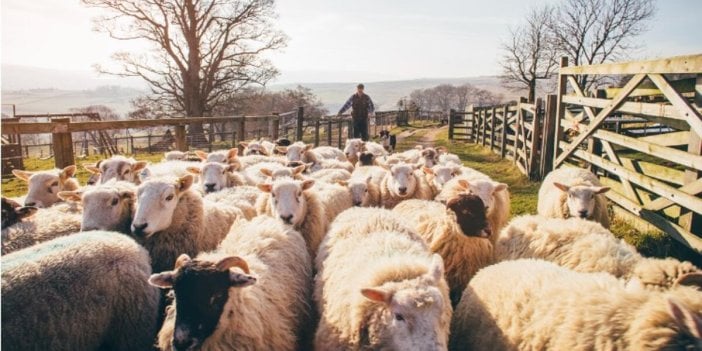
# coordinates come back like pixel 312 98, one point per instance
pixel 338 41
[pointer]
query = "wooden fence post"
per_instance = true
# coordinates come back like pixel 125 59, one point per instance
pixel 452 112
pixel 483 121
pixel 275 127
pixel 517 133
pixel 349 130
pixel 241 131
pixel 535 137
pixel 548 136
pixel 693 221
pixel 316 132
pixel 300 122
pixel 181 145
pixel 492 128
pixel 341 131
pixel 62 142
pixel 560 110
pixel 503 134
pixel 329 133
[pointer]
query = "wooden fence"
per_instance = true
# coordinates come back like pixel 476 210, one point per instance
pixel 642 140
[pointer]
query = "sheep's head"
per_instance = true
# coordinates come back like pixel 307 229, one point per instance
pixel 581 198
pixel 108 206
pixel 352 148
pixel 223 156
pixel 201 290
pixel 359 190
pixel 662 274
pixel 402 182
pixel 274 174
pixel 409 314
pixel 486 189
pixel 671 322
pixel 430 157
pixel 44 186
pixel 295 151
pixel 118 167
pixel 254 147
pixel 157 199
pixel 440 175
pixel 13 212
pixel 470 215
pixel 213 175
pixel 366 158
pixel 287 199
pixel 174 156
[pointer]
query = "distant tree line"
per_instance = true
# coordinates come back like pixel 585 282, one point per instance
pixel 446 96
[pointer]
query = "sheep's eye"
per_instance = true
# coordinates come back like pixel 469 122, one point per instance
pixel 299 194
pixel 399 317
pixel 453 174
pixel 169 197
pixel 127 171
pixel 273 195
pixel 54 184
pixel 366 190
pixel 114 202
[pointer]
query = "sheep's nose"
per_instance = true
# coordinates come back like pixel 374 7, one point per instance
pixel 357 203
pixel 403 190
pixel 30 203
pixel 138 229
pixel 583 214
pixel 286 219
pixel 487 232
pixel 209 187
pixel 183 344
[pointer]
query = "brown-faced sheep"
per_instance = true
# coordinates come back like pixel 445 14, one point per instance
pixel 13 212
pixel 538 305
pixel 251 293
pixel 45 185
pixel 118 167
pixel 379 290
pixel 573 192
pixel 402 183
pixel 585 246
pixel 87 291
pixel 458 232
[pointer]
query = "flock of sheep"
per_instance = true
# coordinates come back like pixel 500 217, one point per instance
pixel 291 247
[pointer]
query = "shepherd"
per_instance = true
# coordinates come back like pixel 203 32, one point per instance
pixel 361 107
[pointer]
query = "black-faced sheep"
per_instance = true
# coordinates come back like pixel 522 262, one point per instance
pixel 573 192
pixel 13 212
pixel 45 185
pixel 44 225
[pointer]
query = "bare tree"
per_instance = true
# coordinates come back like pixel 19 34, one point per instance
pixel 463 96
pixel 204 50
pixel 530 54
pixel 595 31
pixel 444 96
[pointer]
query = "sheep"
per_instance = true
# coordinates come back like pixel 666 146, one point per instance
pixel 364 192
pixel 45 185
pixel 448 158
pixel 221 156
pixel 401 183
pixel 118 167
pixel 573 192
pixel 294 202
pixel 246 193
pixel 439 175
pixel 366 158
pixel 215 176
pixel 171 219
pixel 495 197
pixel 273 174
pixel 264 171
pixel 329 153
pixel 379 289
pixel 108 206
pixel 319 164
pixel 331 175
pixel 167 169
pixel 87 291
pixel 255 147
pixel 251 293
pixel 584 246
pixel 174 155
pixel 44 225
pixel 335 198
pixel 538 305
pixel 430 157
pixel 296 151
pixel 13 212
pixel 375 148
pixel 353 147
pixel 458 232
pixel 248 161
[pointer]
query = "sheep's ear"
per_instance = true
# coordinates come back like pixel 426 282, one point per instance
pixel 436 269
pixel 601 189
pixel 690 279
pixel 194 170
pixel 162 280
pixel 266 188
pixel 240 280
pixel 266 172
pixel 201 154
pixel 70 196
pixel 232 167
pixel 500 187
pixel 92 168
pixel 68 171
pixel 427 170
pixel 25 211
pixel 463 184
pixel 244 144
pixel 282 149
pixel 342 182
pixel 307 184
pixel 185 182
pixel 139 166
pixel 233 152
pixel 561 186
pixel 24 175
pixel 686 320
pixel 309 147
pixel 299 169
pixel 376 295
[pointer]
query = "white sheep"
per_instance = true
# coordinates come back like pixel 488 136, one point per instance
pixel 167 169
pixel 248 161
pixel 258 147
pixel 265 171
pixel 279 172
pixel 44 225
pixel 45 185
pixel 108 206
pixel 439 175
pixel 87 291
pixel 117 167
pixel 353 147
pixel 330 175
pixel 448 158
pixel 495 197
pixel 459 232
pixel 294 203
pixel 585 246
pixel 174 155
pixel 215 176
pixel 171 219
pixel 538 305
pixel 251 293
pixel 573 192
pixel 221 156
pixel 364 192
pixel 335 198
pixel 246 193
pixel 379 289
pixel 317 164
pixel 402 183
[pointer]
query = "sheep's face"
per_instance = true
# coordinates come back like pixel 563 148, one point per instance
pixel 440 175
pixel 120 168
pixel 429 157
pixel 366 158
pixel 287 199
pixel 255 148
pixel 13 212
pixel 295 151
pixel 222 156
pixel 157 199
pixel 201 291
pixel 213 175
pixel 402 182
pixel 411 312
pixel 484 188
pixel 359 191
pixel 44 186
pixel 283 172
pixel 470 215
pixel 175 156
pixel 581 198
pixel 353 147
pixel 106 207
